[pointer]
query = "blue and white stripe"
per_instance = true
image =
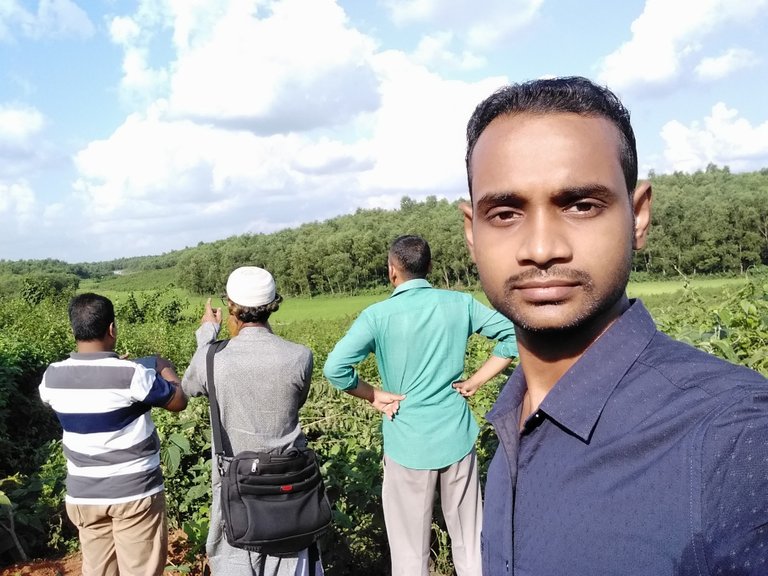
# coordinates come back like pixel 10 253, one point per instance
pixel 110 442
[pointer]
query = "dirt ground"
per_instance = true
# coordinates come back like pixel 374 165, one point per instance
pixel 71 565
pixel 68 566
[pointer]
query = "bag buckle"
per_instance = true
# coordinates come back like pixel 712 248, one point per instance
pixel 220 465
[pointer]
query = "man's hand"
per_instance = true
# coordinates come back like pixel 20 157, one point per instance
pixel 211 314
pixel 490 368
pixel 383 401
pixel 166 369
pixel 466 388
pixel 386 402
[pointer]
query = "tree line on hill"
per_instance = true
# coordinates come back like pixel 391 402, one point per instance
pixel 708 222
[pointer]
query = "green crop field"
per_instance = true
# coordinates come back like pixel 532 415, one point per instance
pixel 644 289
pixel 727 317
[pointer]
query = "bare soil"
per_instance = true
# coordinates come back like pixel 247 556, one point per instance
pixel 71 565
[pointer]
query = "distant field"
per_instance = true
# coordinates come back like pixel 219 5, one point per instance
pixel 324 307
pixel 133 281
pixel 333 307
pixel 643 289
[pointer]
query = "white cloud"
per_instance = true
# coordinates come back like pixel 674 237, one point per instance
pixel 292 65
pixel 460 35
pixel 483 25
pixel 435 49
pixel 723 65
pixel 420 129
pixel 667 36
pixel 21 145
pixel 62 18
pixel 156 177
pixel 140 83
pixel 53 19
pixel 17 200
pixel 182 167
pixel 724 138
pixel 19 123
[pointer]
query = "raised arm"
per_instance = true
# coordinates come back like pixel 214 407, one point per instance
pixel 195 380
pixel 167 372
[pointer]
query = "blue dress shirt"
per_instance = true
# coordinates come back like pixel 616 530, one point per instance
pixel 648 457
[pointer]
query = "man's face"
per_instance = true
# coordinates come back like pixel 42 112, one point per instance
pixel 551 225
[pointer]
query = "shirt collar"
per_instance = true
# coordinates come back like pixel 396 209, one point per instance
pixel 93 355
pixel 253 330
pixel 578 398
pixel 410 285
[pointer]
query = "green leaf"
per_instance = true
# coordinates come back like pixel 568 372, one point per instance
pixel 725 316
pixel 181 441
pixel 726 350
pixel 171 456
pixel 4 500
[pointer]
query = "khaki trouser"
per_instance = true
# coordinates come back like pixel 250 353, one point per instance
pixel 127 539
pixel 408 496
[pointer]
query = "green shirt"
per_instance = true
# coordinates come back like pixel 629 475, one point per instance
pixel 419 336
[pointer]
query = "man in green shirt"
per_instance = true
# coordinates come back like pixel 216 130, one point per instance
pixel 419 336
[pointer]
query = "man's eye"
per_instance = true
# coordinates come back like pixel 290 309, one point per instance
pixel 502 215
pixel 583 208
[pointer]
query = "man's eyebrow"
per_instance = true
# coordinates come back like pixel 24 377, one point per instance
pixel 574 193
pixel 561 197
pixel 508 198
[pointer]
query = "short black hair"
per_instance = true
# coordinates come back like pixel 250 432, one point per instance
pixel 90 316
pixel 412 254
pixel 573 94
pixel 259 314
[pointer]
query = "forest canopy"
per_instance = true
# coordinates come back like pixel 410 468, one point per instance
pixel 705 223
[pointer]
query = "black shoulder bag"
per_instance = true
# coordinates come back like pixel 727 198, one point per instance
pixel 271 503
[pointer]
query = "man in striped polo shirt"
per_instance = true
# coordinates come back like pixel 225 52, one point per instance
pixel 114 483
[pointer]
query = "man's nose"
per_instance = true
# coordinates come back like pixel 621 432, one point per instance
pixel 546 240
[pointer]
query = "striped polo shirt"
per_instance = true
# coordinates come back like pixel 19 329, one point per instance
pixel 110 442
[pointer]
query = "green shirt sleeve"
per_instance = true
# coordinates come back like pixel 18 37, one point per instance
pixel 494 326
pixel 357 343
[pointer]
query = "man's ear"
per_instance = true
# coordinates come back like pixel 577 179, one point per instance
pixel 233 325
pixel 112 330
pixel 466 208
pixel 641 205
pixel 391 271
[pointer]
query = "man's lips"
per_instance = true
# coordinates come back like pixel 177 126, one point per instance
pixel 543 291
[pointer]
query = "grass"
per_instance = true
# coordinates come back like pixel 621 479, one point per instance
pixel 325 307
pixel 644 289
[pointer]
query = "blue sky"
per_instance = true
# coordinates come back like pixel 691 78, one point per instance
pixel 136 128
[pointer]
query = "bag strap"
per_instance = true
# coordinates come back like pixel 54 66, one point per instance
pixel 218 445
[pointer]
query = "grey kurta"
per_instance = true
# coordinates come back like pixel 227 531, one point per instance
pixel 261 382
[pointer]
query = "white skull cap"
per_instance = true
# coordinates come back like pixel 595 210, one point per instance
pixel 251 286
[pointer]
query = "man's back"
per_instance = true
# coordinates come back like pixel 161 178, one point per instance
pixel 262 380
pixel 419 336
pixel 110 441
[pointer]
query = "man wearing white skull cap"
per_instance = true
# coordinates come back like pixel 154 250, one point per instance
pixel 262 380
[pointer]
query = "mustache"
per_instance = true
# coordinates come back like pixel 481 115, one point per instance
pixel 553 273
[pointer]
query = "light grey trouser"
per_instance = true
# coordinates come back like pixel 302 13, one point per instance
pixel 408 497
